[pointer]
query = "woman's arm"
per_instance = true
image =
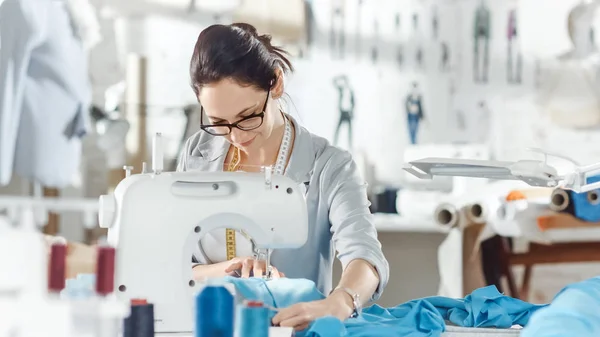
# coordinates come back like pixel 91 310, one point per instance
pixel 360 277
pixel 365 269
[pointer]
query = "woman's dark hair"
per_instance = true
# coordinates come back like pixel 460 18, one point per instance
pixel 237 52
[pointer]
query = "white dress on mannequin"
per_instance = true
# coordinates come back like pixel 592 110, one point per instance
pixel 570 90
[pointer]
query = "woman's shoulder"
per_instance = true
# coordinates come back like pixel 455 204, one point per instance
pixel 328 158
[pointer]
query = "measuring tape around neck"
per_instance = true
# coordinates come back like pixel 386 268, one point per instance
pixel 280 164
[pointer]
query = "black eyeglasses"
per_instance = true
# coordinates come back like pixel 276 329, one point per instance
pixel 247 123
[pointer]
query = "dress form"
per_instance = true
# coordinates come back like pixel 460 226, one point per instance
pixel 569 93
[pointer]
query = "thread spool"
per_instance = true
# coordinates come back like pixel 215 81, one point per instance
pixel 214 312
pixel 253 320
pixel 57 268
pixel 140 322
pixel 105 271
pixel 446 215
pixel 560 201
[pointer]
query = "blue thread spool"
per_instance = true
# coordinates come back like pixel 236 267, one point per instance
pixel 214 312
pixel 253 320
pixel 140 322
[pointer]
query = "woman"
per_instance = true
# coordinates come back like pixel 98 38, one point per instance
pixel 237 76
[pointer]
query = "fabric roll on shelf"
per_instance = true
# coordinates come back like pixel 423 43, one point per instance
pixel 585 206
pixel 450 215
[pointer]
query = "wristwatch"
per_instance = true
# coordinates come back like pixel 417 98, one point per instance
pixel 355 300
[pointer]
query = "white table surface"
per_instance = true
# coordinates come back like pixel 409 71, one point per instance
pixel 273 332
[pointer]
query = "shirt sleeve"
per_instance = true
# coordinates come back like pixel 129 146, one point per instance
pixel 352 224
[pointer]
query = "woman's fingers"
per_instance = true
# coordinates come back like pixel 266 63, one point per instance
pixel 233 267
pixel 247 266
pixel 252 266
pixel 276 273
pixel 259 268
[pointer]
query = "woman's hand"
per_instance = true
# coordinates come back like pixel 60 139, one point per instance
pixel 300 315
pixel 250 264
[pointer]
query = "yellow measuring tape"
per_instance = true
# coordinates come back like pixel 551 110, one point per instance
pixel 230 233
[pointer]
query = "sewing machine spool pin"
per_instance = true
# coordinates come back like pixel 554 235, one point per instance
pixel 127 170
pixel 157 153
pixel 268 170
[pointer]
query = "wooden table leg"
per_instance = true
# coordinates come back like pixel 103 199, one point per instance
pixel 52 227
pixel 505 253
pixel 525 286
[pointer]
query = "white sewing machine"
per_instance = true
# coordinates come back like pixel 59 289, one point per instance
pixel 155 221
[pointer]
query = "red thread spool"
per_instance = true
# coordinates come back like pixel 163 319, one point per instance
pixel 139 301
pixel 58 267
pixel 254 304
pixel 105 271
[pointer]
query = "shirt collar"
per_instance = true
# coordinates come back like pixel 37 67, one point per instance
pixel 302 157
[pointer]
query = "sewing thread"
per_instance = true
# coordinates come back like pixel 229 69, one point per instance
pixel 214 312
pixel 253 320
pixel 140 322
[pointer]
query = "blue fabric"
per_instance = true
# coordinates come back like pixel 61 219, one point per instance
pixel 485 307
pixel 575 311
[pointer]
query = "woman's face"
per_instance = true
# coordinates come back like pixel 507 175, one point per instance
pixel 227 102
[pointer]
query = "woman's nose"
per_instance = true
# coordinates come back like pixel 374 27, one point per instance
pixel 236 135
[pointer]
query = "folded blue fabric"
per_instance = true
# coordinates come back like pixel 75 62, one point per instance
pixel 485 307
pixel 575 311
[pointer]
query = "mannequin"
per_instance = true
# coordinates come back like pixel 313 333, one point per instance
pixel 435 22
pixel 481 38
pixel 569 93
pixel 415 18
pixel 338 32
pixel 399 51
pixel 445 59
pixel 42 37
pixel 414 112
pixel 419 58
pixel 357 38
pixel 375 47
pixel 513 59
pixel 345 106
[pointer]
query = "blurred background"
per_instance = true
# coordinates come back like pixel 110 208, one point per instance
pixel 84 85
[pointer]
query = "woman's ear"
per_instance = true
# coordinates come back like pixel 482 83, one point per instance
pixel 277 88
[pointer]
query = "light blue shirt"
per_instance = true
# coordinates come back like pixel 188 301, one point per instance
pixel 336 197
pixel 44 92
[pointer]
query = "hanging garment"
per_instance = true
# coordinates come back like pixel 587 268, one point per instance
pixel 575 311
pixel 44 93
pixel 485 307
